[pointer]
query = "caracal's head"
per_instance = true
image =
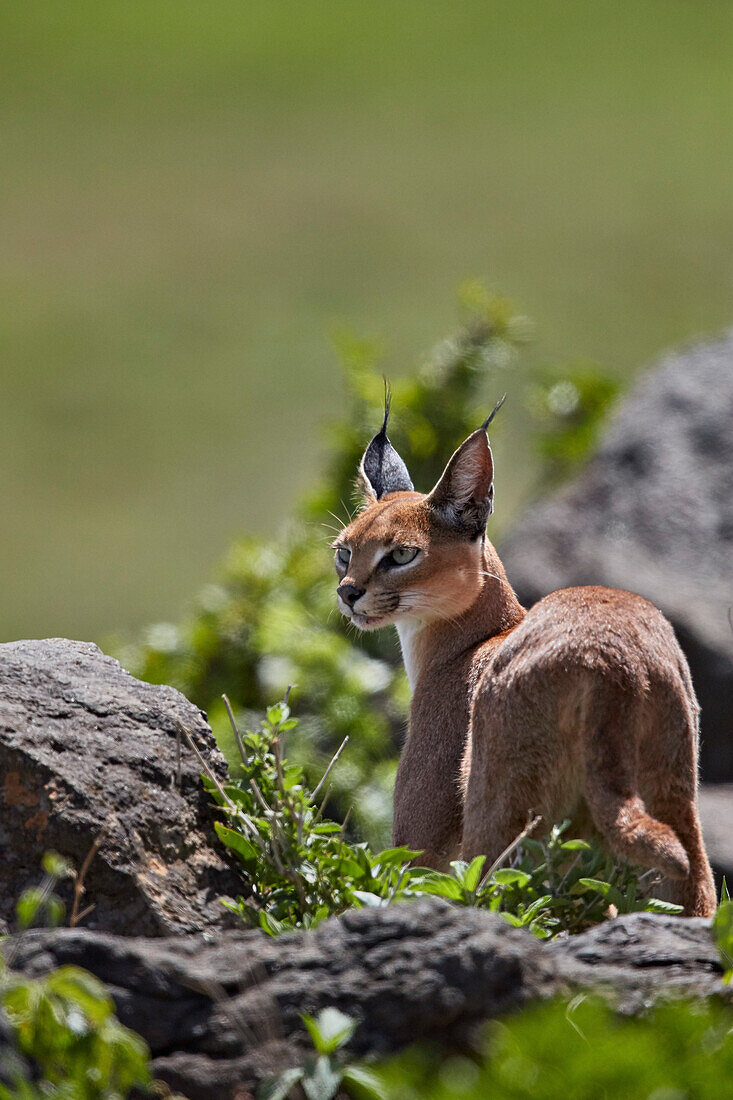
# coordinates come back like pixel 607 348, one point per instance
pixel 415 556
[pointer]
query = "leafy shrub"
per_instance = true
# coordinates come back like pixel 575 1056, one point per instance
pixel 63 1025
pixel 579 1049
pixel 269 619
pixel 575 1048
pixel 301 867
pixel 41 904
pixel 324 1075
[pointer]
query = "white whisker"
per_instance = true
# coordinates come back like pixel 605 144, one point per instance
pixel 483 573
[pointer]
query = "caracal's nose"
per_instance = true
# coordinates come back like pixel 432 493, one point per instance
pixel 350 593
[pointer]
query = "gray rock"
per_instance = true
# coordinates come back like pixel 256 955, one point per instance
pixel 85 748
pixel 653 513
pixel 716 814
pixel 222 1015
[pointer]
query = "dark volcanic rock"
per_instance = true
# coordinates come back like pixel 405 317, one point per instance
pixel 220 1016
pixel 653 513
pixel 716 814
pixel 85 748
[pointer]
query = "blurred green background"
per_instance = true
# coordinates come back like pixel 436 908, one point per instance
pixel 194 195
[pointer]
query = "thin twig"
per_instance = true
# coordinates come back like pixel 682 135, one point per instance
pixel 327 772
pixel 319 812
pixel 235 727
pixel 345 822
pixel 287 873
pixel 343 831
pixel 260 797
pixel 279 766
pixel 564 878
pixel 205 767
pixel 394 890
pixel 528 828
pixel 76 916
pixel 277 833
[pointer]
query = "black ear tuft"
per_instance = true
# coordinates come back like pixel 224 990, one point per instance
pixel 493 413
pixel 382 469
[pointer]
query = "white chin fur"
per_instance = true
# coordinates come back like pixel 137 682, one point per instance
pixel 362 620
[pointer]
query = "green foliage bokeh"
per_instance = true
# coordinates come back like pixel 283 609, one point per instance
pixel 580 1049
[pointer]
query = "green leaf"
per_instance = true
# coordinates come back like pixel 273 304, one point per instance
pixel 364 1084
pixel 722 932
pixel 55 865
pixel 28 906
pixel 322 1082
pixel 367 898
pixel 532 910
pixel 511 918
pixel 351 869
pixel 597 885
pixel 330 1029
pixel 473 873
pixel 395 857
pixel 459 870
pixel 277 714
pixel 576 846
pixel 278 1088
pixel 439 884
pixel 55 910
pixel 654 905
pixel 510 876
pixel 236 842
pixel 272 926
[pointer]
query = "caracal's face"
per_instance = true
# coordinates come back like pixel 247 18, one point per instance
pixel 396 561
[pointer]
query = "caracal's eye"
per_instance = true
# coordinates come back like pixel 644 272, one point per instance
pixel 343 556
pixel 401 555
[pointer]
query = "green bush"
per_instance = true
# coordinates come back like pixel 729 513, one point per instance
pixel 579 1049
pixel 63 1027
pixel 65 1024
pixel 269 620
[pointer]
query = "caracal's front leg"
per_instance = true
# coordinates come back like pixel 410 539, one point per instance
pixel 427 808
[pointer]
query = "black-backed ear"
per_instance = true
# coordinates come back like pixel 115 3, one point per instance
pixel 464 496
pixel 381 470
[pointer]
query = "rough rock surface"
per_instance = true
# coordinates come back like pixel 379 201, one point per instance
pixel 653 513
pixel 85 748
pixel 220 1016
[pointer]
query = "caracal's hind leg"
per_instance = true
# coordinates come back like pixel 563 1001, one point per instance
pixel 670 790
pixel 696 892
pixel 640 789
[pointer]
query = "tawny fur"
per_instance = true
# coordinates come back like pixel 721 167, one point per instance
pixel 581 707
